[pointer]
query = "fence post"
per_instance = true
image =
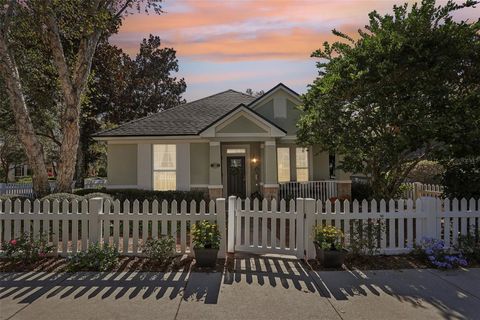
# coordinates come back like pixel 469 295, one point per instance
pixel 417 190
pixel 232 200
pixel 3 188
pixel 309 216
pixel 430 211
pixel 300 228
pixel 95 208
pixel 220 208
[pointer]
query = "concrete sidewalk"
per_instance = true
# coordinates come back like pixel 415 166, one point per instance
pixel 258 288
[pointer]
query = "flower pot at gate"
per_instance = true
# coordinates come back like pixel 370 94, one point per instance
pixel 205 257
pixel 330 258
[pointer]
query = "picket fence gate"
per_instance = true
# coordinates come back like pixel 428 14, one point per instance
pixel 254 226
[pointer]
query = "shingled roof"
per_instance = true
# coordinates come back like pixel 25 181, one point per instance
pixel 186 119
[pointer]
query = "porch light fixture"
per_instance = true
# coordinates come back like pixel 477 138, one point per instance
pixel 254 160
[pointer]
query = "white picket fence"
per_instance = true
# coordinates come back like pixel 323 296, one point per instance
pixel 322 190
pixel 72 226
pixel 22 189
pixel 259 227
pixel 271 229
pixel 417 190
pixel 26 189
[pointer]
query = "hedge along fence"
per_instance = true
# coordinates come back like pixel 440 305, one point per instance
pixel 72 226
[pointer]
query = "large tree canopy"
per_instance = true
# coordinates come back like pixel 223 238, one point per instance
pixel 407 89
pixel 123 89
pixel 66 33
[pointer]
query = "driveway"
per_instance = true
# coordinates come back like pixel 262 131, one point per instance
pixel 256 288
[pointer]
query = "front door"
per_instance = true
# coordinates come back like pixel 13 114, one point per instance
pixel 236 176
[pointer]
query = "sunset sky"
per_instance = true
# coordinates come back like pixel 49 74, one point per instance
pixel 240 44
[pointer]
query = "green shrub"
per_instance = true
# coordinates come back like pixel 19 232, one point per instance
pixel 105 196
pixel 62 196
pixel 102 172
pixel 469 246
pixel 426 171
pixel 161 249
pixel 365 236
pixel 95 258
pixel 13 197
pixel 362 191
pixel 206 235
pixel 27 249
pixel 462 178
pixel 150 195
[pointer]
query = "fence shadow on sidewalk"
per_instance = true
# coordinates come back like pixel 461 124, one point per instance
pixel 29 287
pixel 272 271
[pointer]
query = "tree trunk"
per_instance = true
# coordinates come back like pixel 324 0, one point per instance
pixel 23 123
pixel 69 147
pixel 80 169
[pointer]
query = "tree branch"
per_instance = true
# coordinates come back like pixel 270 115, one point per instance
pixel 53 37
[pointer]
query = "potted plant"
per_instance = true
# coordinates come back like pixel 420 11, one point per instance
pixel 206 242
pixel 329 246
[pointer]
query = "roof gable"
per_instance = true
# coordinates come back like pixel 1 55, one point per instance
pixel 241 124
pixel 263 127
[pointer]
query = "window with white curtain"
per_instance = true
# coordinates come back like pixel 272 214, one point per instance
pixel 302 164
pixel 283 164
pixel 164 167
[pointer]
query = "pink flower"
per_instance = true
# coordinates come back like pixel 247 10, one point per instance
pixel 13 242
pixel 42 254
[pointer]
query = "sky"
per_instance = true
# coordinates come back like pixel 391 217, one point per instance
pixel 240 44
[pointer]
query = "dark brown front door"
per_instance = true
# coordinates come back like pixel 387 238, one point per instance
pixel 236 176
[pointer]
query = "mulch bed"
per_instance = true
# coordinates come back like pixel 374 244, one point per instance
pixel 379 262
pixel 125 264
pixel 181 263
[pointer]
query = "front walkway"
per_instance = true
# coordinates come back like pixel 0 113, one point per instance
pixel 254 288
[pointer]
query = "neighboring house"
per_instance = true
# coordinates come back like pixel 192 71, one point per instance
pixel 229 143
pixel 21 170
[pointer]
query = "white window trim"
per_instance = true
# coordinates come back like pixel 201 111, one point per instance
pixel 164 170
pixel 289 163
pixel 308 163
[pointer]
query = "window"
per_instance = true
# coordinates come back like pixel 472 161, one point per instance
pixel 233 151
pixel 283 163
pixel 19 171
pixel 302 164
pixel 164 167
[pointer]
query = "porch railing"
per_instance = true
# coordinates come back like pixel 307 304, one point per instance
pixel 319 190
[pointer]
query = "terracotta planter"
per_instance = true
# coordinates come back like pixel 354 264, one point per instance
pixel 205 257
pixel 330 258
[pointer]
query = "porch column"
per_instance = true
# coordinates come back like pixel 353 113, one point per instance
pixel 215 187
pixel 270 186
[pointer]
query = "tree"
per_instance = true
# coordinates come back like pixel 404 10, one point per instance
pixel 253 93
pixel 122 89
pixel 406 90
pixel 70 30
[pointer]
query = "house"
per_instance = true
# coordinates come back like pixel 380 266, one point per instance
pixel 229 143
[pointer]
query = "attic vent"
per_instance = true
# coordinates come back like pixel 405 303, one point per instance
pixel 279 107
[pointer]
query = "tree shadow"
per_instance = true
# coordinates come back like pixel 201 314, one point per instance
pixel 420 288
